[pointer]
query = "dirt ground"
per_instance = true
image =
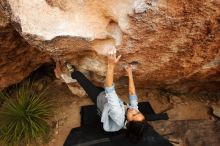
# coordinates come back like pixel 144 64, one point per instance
pixel 67 108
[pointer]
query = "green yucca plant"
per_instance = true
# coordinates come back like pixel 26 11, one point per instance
pixel 23 119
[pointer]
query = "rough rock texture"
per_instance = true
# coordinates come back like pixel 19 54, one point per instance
pixel 172 44
pixel 190 132
pixel 216 109
pixel 17 58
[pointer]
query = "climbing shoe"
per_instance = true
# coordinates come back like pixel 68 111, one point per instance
pixel 70 67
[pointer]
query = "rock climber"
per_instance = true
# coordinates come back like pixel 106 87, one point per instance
pixel 115 114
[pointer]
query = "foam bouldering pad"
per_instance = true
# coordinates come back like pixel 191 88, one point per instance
pixel 91 132
pixel 96 136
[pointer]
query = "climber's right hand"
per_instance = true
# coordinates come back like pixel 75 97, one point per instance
pixel 112 58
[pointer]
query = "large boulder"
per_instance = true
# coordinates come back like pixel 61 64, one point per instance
pixel 172 44
pixel 17 58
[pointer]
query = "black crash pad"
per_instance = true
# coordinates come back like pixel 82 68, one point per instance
pixel 91 132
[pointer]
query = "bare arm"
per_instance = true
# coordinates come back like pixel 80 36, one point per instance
pixel 109 75
pixel 132 94
pixel 131 86
pixel 112 61
pixel 116 110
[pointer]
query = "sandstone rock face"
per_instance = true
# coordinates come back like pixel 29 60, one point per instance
pixel 172 44
pixel 17 58
pixel 4 21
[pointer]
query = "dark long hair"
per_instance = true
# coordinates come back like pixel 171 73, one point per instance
pixel 136 130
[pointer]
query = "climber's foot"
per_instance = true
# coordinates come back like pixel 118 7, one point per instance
pixel 70 67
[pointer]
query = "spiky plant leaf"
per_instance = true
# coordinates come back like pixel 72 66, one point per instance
pixel 23 120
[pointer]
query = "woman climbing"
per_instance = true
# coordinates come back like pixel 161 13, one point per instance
pixel 115 114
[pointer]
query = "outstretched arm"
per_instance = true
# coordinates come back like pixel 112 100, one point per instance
pixel 115 112
pixel 112 61
pixel 131 86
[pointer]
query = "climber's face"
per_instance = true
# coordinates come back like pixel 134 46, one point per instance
pixel 134 115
